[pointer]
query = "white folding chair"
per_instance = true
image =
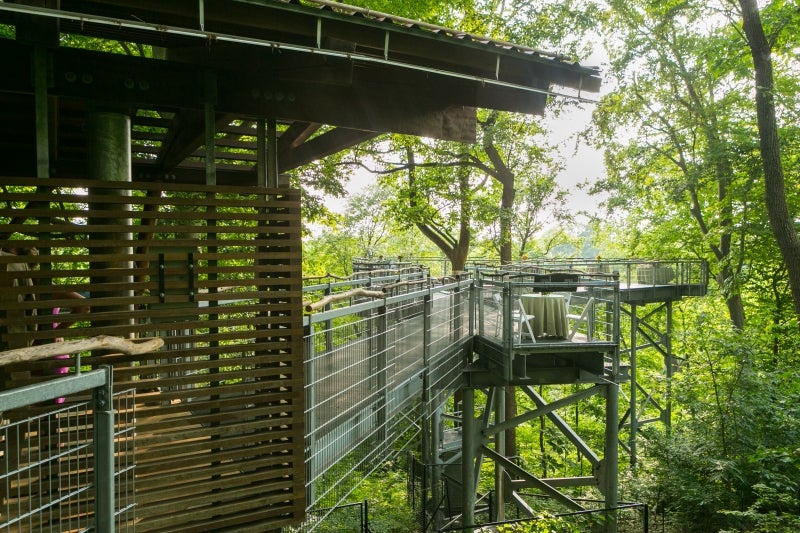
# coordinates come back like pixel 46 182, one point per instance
pixel 582 318
pixel 523 320
pixel 498 302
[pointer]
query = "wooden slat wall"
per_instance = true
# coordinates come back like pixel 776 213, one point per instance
pixel 215 272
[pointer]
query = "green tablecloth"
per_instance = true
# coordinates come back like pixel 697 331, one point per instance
pixel 550 314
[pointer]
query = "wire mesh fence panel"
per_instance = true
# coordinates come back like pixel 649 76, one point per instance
pixel 48 468
pixel 364 382
pixel 46 479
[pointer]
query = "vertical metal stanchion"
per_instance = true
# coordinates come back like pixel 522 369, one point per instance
pixel 382 359
pixel 104 454
pixel 329 323
pixel 669 361
pixel 500 448
pixel 634 425
pixel 468 449
pixel 610 463
pixel 311 416
pixel 474 293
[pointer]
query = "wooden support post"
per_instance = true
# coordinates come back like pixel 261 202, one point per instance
pixel 108 136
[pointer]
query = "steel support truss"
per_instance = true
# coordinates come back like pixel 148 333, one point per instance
pixel 649 352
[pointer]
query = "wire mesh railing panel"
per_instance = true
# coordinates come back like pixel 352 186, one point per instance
pixel 409 341
pixel 49 468
pixel 344 379
pixel 689 274
pixel 350 517
pixel 364 381
pixel 366 458
pixel 47 476
pixel 526 309
pixel 449 321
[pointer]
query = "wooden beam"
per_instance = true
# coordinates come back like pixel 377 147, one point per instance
pixel 295 135
pixel 324 145
pixel 186 135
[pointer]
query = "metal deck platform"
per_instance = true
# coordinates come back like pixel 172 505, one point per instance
pixel 376 368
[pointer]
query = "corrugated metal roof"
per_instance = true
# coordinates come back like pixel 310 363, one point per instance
pixel 378 16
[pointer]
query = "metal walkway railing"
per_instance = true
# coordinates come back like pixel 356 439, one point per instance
pixel 385 350
pixel 68 468
pixel 374 369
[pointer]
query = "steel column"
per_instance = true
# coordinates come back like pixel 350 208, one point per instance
pixel 610 462
pixel 272 153
pixel 104 455
pixel 469 447
pixel 41 112
pixel 210 122
pixel 108 136
pixel 500 448
pixel 670 363
pixel 634 385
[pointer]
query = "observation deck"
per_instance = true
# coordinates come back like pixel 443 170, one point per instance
pixel 397 344
pixel 580 343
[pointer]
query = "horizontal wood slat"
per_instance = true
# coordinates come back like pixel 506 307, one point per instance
pixel 215 272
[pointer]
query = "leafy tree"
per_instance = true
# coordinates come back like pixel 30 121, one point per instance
pixel 540 201
pixel 513 155
pixel 735 439
pixel 366 221
pixel 437 196
pixel 781 221
pixel 331 252
pixel 686 159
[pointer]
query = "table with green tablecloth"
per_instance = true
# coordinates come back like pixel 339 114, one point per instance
pixel 549 312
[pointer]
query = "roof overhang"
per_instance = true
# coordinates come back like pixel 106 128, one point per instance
pixel 352 72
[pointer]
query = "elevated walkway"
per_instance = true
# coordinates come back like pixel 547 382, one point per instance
pixel 389 363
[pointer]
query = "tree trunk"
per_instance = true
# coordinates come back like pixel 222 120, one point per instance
pixel 733 299
pixel 780 220
pixel 506 215
pixel 506 178
pixel 455 249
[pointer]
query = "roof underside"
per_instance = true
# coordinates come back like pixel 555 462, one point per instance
pixel 330 75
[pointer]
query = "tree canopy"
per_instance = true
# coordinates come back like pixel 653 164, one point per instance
pixel 698 127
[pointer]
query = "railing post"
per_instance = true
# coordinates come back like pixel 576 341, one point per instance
pixel 311 416
pixel 382 360
pixel 476 309
pixel 611 460
pixel 104 454
pixel 508 330
pixel 328 323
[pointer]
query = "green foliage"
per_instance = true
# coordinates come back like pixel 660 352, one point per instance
pixel 107 46
pixel 365 230
pixel 545 522
pixel 732 459
pixel 387 493
pixel 385 496
pixel 681 144
pixel 317 181
pixel 330 252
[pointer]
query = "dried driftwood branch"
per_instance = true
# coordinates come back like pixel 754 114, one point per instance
pixel 331 298
pixel 105 342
